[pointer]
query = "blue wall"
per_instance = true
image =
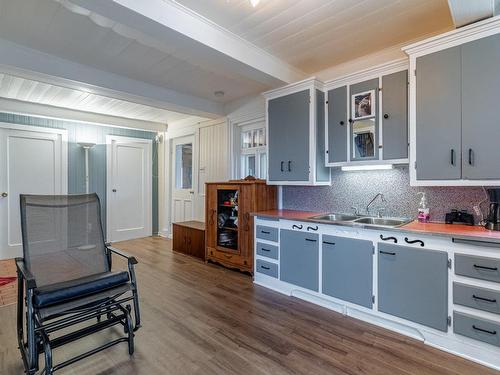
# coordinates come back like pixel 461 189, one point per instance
pixel 97 155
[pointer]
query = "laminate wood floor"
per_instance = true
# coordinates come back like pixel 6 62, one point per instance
pixel 203 319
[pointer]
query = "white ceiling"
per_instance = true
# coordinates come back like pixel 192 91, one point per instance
pixel 54 28
pixel 315 34
pixel 32 91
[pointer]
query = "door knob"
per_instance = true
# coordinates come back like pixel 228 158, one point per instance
pixel 4 194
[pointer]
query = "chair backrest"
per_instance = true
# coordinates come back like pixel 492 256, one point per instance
pixel 62 237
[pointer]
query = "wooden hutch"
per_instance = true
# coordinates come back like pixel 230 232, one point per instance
pixel 229 225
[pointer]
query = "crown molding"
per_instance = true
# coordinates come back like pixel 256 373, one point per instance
pixel 294 87
pixel 365 74
pixel 456 37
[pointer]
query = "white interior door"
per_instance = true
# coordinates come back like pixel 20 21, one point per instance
pixel 32 161
pixel 182 178
pixel 129 188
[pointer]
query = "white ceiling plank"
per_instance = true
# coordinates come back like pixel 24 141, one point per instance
pixel 465 12
pixel 16 59
pixel 171 15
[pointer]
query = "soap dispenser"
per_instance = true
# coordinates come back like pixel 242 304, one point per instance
pixel 423 209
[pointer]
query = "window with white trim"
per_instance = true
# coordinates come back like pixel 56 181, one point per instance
pixel 253 151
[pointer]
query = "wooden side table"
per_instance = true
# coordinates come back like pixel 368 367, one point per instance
pixel 189 238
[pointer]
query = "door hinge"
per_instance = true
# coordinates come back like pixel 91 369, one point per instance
pixel 373 299
pixel 373 249
pixel 415 164
pixel 449 263
pixel 415 72
pixel 448 321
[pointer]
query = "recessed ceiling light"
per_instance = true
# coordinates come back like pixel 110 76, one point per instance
pixel 218 94
pixel 374 167
pixel 254 2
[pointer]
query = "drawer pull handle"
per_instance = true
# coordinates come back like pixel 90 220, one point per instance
pixel 282 170
pixel 297 226
pixel 484 330
pixel 414 241
pixel 386 252
pixel 486 268
pixel 389 239
pixel 313 228
pixel 328 243
pixel 265 267
pixel 310 240
pixel 265 232
pixel 264 249
pixel 228 256
pixel 484 299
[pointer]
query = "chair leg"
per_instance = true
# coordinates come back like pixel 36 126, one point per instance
pixel 48 354
pixel 130 331
pixel 30 321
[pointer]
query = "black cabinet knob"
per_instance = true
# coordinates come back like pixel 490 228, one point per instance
pixel 341 122
pixel 386 115
pixel 351 121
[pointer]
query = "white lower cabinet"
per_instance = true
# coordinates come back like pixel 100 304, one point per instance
pixel 444 291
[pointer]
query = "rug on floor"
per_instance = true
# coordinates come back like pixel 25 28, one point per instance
pixel 8 282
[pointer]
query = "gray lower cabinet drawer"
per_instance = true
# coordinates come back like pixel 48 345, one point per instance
pixel 266 250
pixel 269 269
pixel 267 233
pixel 476 297
pixel 477 267
pixel 476 328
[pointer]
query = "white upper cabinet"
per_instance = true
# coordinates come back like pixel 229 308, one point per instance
pixel 366 117
pixel 454 122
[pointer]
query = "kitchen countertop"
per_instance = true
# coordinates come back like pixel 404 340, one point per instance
pixel 458 231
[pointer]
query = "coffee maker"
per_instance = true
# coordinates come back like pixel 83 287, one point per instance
pixel 493 217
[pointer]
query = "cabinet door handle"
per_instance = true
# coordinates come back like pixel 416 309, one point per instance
pixel 282 170
pixel 265 232
pixel 310 240
pixel 386 252
pixel 264 249
pixel 484 330
pixel 470 156
pixel 414 241
pixel 484 299
pixel 300 226
pixel 312 228
pixel 341 123
pixel 452 157
pixel 386 116
pixel 289 166
pixel 486 268
pixel 389 239
pixel 329 243
pixel 265 267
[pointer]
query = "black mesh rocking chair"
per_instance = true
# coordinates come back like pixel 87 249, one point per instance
pixel 65 280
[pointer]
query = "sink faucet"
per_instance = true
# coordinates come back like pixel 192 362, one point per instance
pixel 379 214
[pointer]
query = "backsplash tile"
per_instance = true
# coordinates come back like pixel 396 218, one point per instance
pixel 358 188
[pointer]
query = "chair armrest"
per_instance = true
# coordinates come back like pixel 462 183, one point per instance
pixel 123 254
pixel 25 273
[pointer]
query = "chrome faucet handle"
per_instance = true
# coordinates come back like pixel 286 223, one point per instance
pixel 380 211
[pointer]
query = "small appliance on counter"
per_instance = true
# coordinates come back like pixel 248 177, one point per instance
pixel 493 217
pixel 459 217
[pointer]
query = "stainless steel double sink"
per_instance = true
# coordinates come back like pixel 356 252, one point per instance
pixel 389 222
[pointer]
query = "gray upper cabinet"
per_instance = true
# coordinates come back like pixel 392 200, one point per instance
pixel 337 125
pixel 299 258
pixel 288 118
pixel 395 116
pixel 438 115
pixel 480 113
pixel 347 269
pixel 293 115
pixel 413 284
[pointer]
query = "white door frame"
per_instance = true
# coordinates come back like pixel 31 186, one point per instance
pixel 149 180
